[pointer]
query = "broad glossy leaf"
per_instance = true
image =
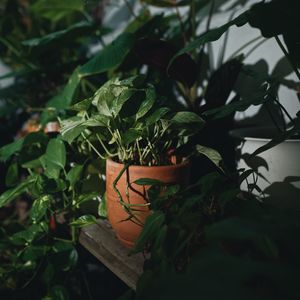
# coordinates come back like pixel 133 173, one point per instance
pixel 84 221
pixel 56 153
pixel 13 193
pixel 71 128
pixel 40 207
pixel 8 150
pixel 83 105
pixel 104 97
pixel 118 103
pixel 131 135
pixel 213 155
pixel 148 102
pixel 109 57
pixel 74 175
pixel 187 118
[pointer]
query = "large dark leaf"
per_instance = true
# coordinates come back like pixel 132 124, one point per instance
pixel 158 54
pixel 109 57
pixel 221 84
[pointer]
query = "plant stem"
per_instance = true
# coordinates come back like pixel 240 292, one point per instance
pixel 92 146
pixel 280 44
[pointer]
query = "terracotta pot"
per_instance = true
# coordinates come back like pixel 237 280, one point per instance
pixel 128 231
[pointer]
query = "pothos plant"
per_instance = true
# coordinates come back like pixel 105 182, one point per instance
pixel 126 121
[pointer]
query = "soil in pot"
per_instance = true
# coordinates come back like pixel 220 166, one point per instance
pixel 126 230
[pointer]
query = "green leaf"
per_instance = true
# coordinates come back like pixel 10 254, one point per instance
pixel 57 9
pixel 131 135
pixel 30 234
pixel 118 103
pixel 187 120
pixel 33 253
pixel 39 207
pixel 55 158
pixel 12 194
pixel 152 226
pixel 79 29
pixel 12 175
pixel 86 197
pixel 106 95
pixel 109 57
pixel 148 181
pixel 213 155
pixel 71 128
pixel 74 175
pixel 102 210
pixel 65 98
pixel 83 105
pixel 157 115
pixel 148 103
pixel 8 150
pixel 84 221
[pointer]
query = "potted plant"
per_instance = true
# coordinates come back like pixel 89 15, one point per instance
pixel 125 124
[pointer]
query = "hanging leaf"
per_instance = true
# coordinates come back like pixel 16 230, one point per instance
pixel 213 155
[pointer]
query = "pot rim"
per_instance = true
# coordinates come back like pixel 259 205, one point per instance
pixel 184 163
pixel 247 134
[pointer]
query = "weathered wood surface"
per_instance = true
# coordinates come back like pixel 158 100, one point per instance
pixel 100 240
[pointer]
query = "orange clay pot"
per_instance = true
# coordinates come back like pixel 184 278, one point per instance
pixel 128 231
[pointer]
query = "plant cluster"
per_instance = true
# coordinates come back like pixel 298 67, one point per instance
pixel 210 228
pixel 123 121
